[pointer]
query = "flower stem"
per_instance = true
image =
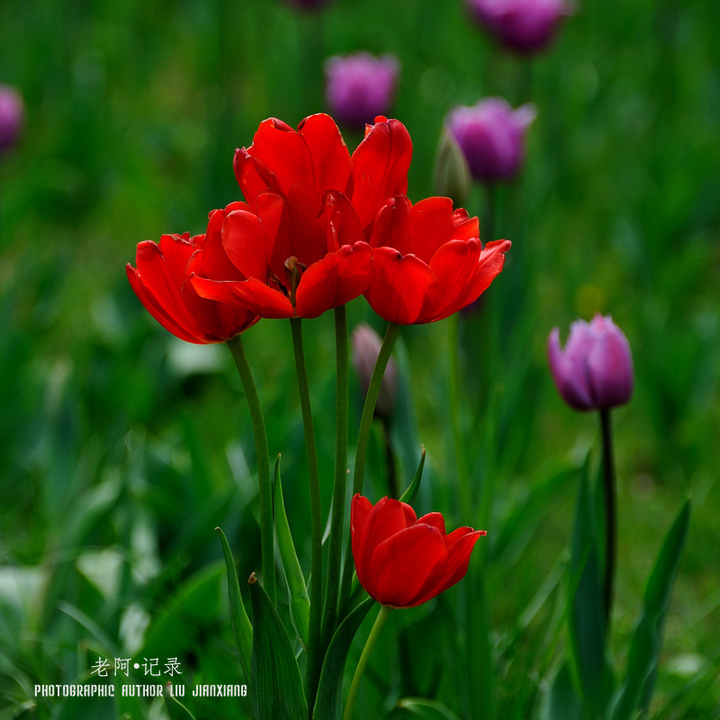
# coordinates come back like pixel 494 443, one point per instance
pixel 610 520
pixel 461 461
pixel 372 639
pixel 267 533
pixel 316 596
pixel 391 334
pixel 341 474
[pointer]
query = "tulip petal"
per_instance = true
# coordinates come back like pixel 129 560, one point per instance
pixel 169 322
pixel 330 156
pixel 336 279
pixel 252 294
pixel 406 564
pixel 609 364
pixel 278 158
pixel 570 377
pixel 399 286
pixel 359 514
pixel 434 223
pixel 379 168
pixel 459 558
pixel 244 241
pixel 387 518
pixel 434 519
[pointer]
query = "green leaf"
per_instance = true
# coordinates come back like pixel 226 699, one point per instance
pixel 411 493
pixel 427 709
pixel 646 643
pixel 328 702
pixel 298 596
pixel 238 615
pixel 175 708
pixel 277 690
pixel 586 614
pixel 562 702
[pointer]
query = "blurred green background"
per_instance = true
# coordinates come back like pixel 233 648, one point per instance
pixel 121 448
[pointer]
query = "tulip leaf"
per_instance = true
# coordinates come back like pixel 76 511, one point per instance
pixel 426 709
pixel 297 591
pixel 562 702
pixel 238 615
pixel 586 613
pixel 646 643
pixel 277 690
pixel 411 493
pixel 328 702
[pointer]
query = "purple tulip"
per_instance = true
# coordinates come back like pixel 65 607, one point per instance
pixel 366 344
pixel 595 369
pixel 12 113
pixel 360 86
pixel 492 136
pixel 522 25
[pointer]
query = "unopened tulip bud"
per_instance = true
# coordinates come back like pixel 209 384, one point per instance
pixel 12 114
pixel 595 369
pixel 452 174
pixel 366 344
pixel 492 136
pixel 360 87
pixel 525 26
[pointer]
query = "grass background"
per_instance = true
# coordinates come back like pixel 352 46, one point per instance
pixel 121 448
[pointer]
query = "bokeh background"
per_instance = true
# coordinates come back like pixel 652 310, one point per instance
pixel 121 448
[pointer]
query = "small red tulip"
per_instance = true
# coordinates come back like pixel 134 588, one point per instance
pixel 161 282
pixel 315 155
pixel 429 261
pixel 403 561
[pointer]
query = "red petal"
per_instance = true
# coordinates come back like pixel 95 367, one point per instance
pixel 244 241
pixel 459 558
pixel 400 286
pixel 387 518
pixel 435 519
pixel 330 156
pixel 455 264
pixel 157 311
pixel 338 278
pixel 406 564
pixel 359 513
pixel 251 294
pixel 379 168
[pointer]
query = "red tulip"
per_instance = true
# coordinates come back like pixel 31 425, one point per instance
pixel 429 261
pixel 403 561
pixel 316 155
pixel 294 255
pixel 161 283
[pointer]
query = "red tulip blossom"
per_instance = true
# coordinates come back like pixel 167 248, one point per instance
pixel 429 261
pixel 402 560
pixel 316 155
pixel 161 282
pixel 294 255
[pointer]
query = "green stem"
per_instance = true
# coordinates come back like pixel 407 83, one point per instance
pixel 372 639
pixel 610 521
pixel 341 474
pixel 267 534
pixel 316 596
pixel 461 463
pixel 393 330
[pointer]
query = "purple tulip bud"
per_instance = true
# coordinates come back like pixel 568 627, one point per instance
pixel 366 344
pixel 360 86
pixel 522 25
pixel 492 136
pixel 595 369
pixel 12 113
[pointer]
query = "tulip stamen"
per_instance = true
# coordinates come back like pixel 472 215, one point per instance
pixel 294 270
